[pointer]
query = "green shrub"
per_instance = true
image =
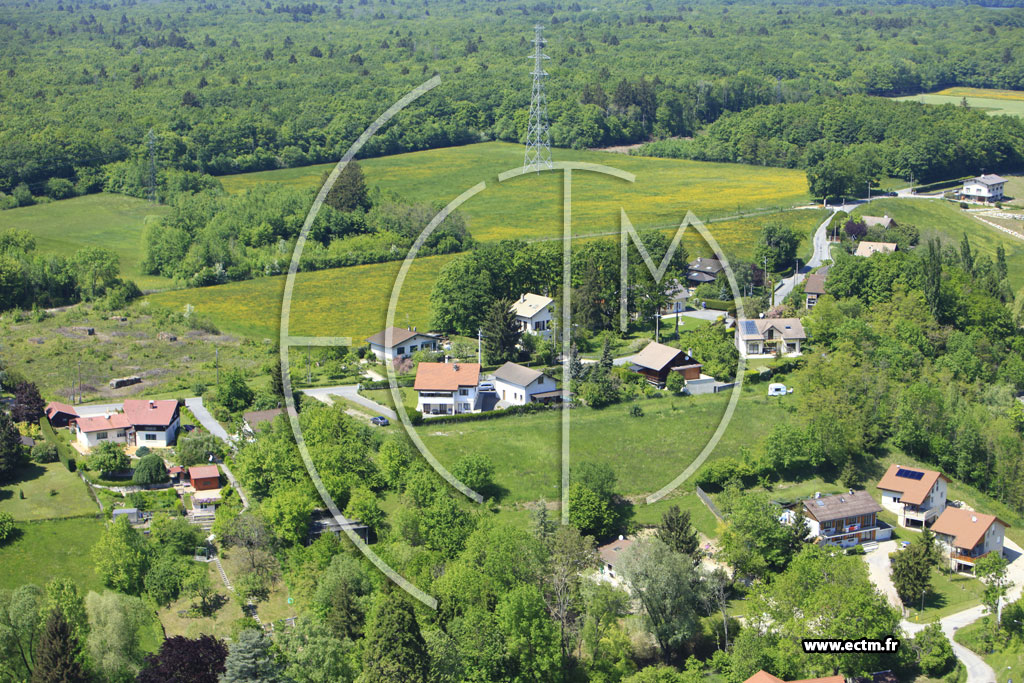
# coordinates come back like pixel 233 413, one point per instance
pixel 6 525
pixel 44 452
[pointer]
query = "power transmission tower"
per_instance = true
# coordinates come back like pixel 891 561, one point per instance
pixel 151 143
pixel 538 139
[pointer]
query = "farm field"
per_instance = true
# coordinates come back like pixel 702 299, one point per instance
pixel 645 452
pixel 340 302
pixel 112 221
pixel 48 549
pixel 353 301
pixel 937 218
pixel 69 497
pixel 530 207
pixel 1009 102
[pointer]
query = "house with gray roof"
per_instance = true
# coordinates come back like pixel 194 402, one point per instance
pixel 987 187
pixel 398 342
pixel 844 519
pixel 517 385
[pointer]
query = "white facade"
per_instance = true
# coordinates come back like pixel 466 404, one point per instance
pixel 533 313
pixel 93 439
pixel 405 348
pixel 986 188
pixel 518 395
pixel 925 513
pixel 432 402
pixel 159 438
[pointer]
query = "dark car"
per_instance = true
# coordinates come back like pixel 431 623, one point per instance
pixel 380 421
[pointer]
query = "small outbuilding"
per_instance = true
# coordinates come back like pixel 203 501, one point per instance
pixel 60 414
pixel 204 477
pixel 656 361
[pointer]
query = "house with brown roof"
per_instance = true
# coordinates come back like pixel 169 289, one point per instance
pixel 917 496
pixel 769 336
pixel 610 553
pixel 255 421
pixel 968 535
pixel 763 676
pixel 153 423
pixel 398 342
pixel 655 361
pixel 870 248
pixel 204 477
pixel 517 385
pixel 845 519
pixel 814 286
pixel 447 388
pixel 60 414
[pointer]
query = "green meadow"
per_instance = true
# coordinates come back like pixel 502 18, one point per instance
pixel 340 302
pixel 530 207
pixel 945 220
pixel 112 221
pixel 990 101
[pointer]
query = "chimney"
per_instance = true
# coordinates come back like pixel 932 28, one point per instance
pixel 689 352
pixel 851 492
pixel 974 518
pixel 621 537
pixel 817 494
pixel 455 367
pixel 152 404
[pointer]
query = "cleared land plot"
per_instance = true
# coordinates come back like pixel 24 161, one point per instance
pixel 69 497
pixel 49 549
pixel 531 206
pixel 938 218
pixel 177 619
pixel 646 452
pixel 111 221
pixel 990 101
pixel 340 302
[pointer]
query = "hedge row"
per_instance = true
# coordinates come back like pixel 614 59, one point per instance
pixel 720 305
pixel 385 384
pixel 527 409
pixel 63 450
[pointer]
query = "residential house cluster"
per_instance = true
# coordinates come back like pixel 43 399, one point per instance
pixel 140 422
pixel 918 499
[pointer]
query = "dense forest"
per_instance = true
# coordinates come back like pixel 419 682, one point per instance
pixel 240 86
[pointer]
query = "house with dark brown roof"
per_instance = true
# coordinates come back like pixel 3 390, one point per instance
pixel 814 286
pixel 845 519
pixel 916 495
pixel 204 477
pixel 968 535
pixel 255 421
pixel 398 342
pixel 610 553
pixel 447 388
pixel 655 361
pixel 60 414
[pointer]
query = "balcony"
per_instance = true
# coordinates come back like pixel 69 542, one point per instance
pixel 832 532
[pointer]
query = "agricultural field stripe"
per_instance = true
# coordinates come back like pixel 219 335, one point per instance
pixel 291 340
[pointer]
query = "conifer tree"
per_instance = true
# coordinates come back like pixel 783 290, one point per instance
pixel 56 657
pixel 394 650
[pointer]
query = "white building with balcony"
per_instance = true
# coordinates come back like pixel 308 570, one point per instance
pixel 916 496
pixel 447 388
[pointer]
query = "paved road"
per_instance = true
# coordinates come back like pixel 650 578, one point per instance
pixel 349 392
pixel 211 425
pixel 98 409
pixel 819 256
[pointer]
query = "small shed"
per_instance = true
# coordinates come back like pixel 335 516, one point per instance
pixel 131 513
pixel 204 477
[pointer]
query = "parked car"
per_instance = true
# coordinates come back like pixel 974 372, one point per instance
pixel 380 421
pixel 486 386
pixel 778 389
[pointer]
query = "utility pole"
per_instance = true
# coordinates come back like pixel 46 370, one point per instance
pixel 657 326
pixel 479 346
pixel 151 143
pixel 309 370
pixel 79 381
pixel 216 362
pixel 538 137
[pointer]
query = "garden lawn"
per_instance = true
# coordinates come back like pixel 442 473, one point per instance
pixel 49 549
pixel 531 206
pixel 945 220
pixel 176 621
pixel 645 453
pixel 71 498
pixel 112 221
pixel 951 593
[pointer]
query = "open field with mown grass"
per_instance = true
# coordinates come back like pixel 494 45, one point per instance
pixel 1007 662
pixel 69 497
pixel 990 101
pixel 646 452
pixel 112 221
pixel 938 218
pixel 339 302
pixel 531 206
pixel 45 550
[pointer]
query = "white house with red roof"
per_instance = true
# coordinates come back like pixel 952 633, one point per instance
pixel 917 496
pixel 968 535
pixel 447 388
pixel 143 423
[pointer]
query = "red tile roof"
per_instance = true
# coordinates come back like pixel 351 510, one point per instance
pixel 446 376
pixel 763 676
pixel 203 472
pixel 142 412
pixel 54 407
pixel 99 423
pixel 967 528
pixel 912 491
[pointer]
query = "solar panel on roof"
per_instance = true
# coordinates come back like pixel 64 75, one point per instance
pixel 909 474
pixel 749 327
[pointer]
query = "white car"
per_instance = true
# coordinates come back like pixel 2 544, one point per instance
pixel 486 386
pixel 777 389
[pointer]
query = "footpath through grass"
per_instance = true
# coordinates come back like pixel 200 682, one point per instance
pixel 112 221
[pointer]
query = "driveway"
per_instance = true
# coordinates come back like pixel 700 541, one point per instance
pixel 349 392
pixel 878 570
